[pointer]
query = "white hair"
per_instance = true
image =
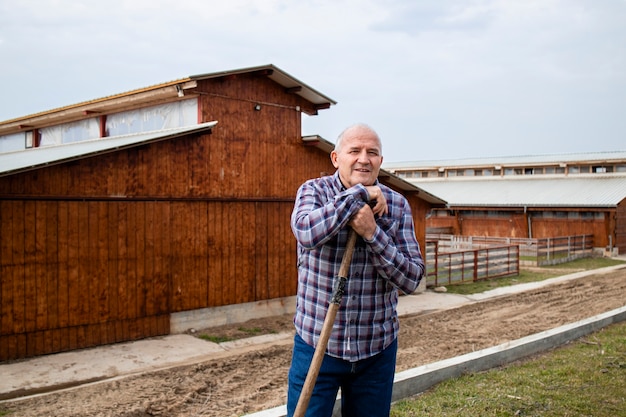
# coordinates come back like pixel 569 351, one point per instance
pixel 364 126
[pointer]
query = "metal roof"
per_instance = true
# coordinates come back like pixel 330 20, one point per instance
pixel 103 105
pixel 598 191
pixel 282 78
pixel 509 161
pixel 29 159
pixel 179 89
pixel 388 177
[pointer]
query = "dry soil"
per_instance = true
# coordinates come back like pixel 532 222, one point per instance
pixel 237 384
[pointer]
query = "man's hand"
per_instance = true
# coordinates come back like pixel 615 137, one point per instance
pixel 376 195
pixel 364 222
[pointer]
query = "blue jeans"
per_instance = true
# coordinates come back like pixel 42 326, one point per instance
pixel 366 385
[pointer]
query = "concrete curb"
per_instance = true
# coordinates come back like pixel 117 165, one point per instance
pixel 417 380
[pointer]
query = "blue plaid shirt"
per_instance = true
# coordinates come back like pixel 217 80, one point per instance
pixel 367 320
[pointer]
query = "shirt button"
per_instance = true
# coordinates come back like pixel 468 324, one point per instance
pixel 354 297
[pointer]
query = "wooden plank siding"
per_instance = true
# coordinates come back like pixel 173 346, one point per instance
pixel 103 249
pixel 619 240
pixel 107 284
pixel 514 224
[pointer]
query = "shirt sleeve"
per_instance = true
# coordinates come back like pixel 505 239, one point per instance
pixel 317 216
pixel 396 253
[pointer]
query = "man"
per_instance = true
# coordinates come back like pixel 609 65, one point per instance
pixel 361 352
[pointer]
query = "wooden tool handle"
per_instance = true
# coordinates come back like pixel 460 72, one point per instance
pixel 327 328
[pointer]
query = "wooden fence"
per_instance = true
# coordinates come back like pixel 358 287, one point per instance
pixel 537 252
pixel 446 266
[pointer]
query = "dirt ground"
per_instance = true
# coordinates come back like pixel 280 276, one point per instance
pixel 256 380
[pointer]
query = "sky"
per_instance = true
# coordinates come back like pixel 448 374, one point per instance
pixel 437 79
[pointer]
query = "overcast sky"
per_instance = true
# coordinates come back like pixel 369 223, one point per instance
pixel 438 79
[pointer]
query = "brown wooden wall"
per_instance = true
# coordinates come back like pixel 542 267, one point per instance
pixel 74 274
pixel 619 240
pixel 103 249
pixel 78 274
pixel 562 227
pixel 515 225
pixel 419 209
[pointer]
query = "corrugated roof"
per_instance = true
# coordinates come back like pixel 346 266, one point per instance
pixel 579 191
pixel 29 159
pixel 390 178
pixel 520 160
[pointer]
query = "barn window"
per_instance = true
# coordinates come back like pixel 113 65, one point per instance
pixel 165 116
pixel 512 171
pixel 70 132
pixel 441 213
pixel 602 169
pixel 14 142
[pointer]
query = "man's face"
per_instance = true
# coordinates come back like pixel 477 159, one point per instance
pixel 358 158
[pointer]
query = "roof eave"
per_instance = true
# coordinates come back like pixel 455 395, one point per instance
pixel 290 83
pixel 17 162
pixel 160 93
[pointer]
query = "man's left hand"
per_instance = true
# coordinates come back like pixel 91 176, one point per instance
pixel 364 222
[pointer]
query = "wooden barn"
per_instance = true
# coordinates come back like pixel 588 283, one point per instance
pixel 120 212
pixel 538 196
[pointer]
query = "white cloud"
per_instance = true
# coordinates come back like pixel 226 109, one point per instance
pixel 437 78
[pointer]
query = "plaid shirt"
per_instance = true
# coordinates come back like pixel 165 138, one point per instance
pixel 366 321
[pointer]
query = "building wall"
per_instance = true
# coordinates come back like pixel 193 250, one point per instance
pixel 103 249
pixel 543 228
pixel 515 225
pixel 619 239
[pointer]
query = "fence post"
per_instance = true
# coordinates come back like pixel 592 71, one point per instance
pixel 569 247
pixel 584 248
pixel 436 263
pixel 475 275
pixel 548 249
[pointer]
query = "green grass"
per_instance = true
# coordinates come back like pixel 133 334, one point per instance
pixel 243 332
pixel 250 331
pixel 585 378
pixel 536 274
pixel 214 339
